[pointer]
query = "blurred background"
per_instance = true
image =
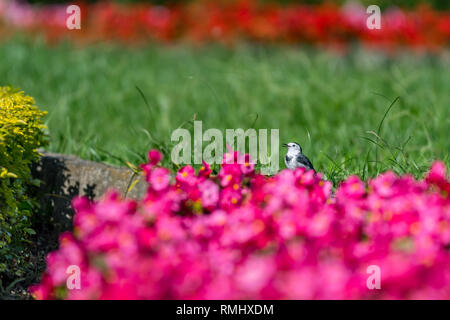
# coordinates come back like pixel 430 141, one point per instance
pixel 137 70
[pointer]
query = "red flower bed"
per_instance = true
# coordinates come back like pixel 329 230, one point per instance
pixel 240 235
pixel 229 22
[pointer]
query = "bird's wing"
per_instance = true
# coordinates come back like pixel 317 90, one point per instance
pixel 305 161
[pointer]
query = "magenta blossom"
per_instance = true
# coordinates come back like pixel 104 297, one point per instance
pixel 240 235
pixel 159 179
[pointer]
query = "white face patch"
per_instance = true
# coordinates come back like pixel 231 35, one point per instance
pixel 293 147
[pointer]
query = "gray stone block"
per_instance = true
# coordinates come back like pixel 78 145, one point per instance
pixel 64 177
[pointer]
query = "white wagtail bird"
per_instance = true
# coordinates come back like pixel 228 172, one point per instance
pixel 295 158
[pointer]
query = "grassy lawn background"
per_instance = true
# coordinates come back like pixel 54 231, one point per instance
pixel 326 102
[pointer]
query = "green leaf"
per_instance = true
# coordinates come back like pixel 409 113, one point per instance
pixel 30 231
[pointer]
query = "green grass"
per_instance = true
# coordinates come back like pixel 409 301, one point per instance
pixel 332 105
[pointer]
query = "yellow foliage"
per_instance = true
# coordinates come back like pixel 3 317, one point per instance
pixel 21 133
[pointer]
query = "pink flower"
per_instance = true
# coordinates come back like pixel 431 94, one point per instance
pixel 352 188
pixel 159 179
pixel 209 193
pixel 384 184
pixel 205 170
pixel 305 178
pixel 230 197
pixel 113 209
pixel 247 166
pixel 437 172
pixel 437 176
pixel 240 235
pixel 230 174
pixel 186 175
pixel 154 157
pixel 254 274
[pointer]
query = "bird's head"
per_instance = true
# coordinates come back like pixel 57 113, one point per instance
pixel 293 146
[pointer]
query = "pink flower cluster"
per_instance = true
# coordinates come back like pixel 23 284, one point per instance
pixel 241 235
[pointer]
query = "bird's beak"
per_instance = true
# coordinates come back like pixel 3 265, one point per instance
pixel 285 145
